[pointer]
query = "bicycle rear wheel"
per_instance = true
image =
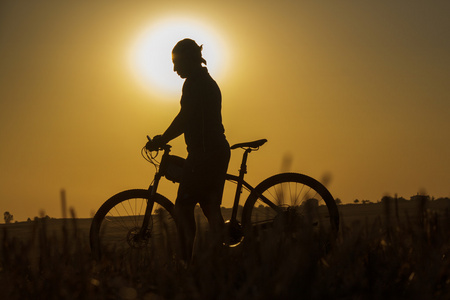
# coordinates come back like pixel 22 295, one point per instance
pixel 116 228
pixel 291 201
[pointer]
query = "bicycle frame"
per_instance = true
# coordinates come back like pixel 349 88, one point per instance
pixel 229 177
pixel 153 189
pixel 240 183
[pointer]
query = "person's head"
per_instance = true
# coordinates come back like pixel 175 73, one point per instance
pixel 187 57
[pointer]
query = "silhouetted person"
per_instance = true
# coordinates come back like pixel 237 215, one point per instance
pixel 200 121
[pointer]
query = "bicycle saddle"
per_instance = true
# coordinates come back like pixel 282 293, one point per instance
pixel 254 144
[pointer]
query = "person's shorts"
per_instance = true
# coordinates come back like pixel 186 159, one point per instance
pixel 203 176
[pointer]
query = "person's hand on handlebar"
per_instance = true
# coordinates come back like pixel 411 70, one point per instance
pixel 155 144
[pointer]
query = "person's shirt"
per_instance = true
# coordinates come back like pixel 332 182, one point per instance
pixel 201 105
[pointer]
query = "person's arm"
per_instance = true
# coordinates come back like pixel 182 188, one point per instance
pixel 175 129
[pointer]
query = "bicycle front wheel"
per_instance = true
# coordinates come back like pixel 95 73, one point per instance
pixel 117 228
pixel 293 201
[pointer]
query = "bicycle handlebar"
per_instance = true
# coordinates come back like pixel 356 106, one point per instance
pixel 151 146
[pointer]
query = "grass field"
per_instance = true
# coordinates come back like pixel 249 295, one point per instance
pixel 383 251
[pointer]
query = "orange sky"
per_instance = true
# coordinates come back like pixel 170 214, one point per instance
pixel 355 89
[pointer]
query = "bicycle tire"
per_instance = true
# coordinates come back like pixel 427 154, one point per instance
pixel 116 224
pixel 300 195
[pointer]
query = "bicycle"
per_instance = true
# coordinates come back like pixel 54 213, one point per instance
pixel 135 221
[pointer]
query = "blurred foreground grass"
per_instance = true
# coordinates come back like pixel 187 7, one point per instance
pixel 382 257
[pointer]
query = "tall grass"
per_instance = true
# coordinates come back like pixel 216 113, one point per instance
pixel 388 258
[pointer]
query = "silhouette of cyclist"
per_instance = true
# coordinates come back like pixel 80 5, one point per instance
pixel 200 120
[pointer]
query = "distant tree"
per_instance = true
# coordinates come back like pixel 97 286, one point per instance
pixel 8 217
pixel 311 202
pixel 356 201
pixel 338 201
pixel 386 199
pixel 401 199
pixel 420 198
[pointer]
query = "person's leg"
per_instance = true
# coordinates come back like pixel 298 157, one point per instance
pixel 214 182
pixel 211 209
pixel 216 234
pixel 185 220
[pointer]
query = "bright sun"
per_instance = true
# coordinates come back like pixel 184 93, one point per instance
pixel 151 54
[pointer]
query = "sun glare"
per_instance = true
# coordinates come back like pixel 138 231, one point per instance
pixel 151 54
